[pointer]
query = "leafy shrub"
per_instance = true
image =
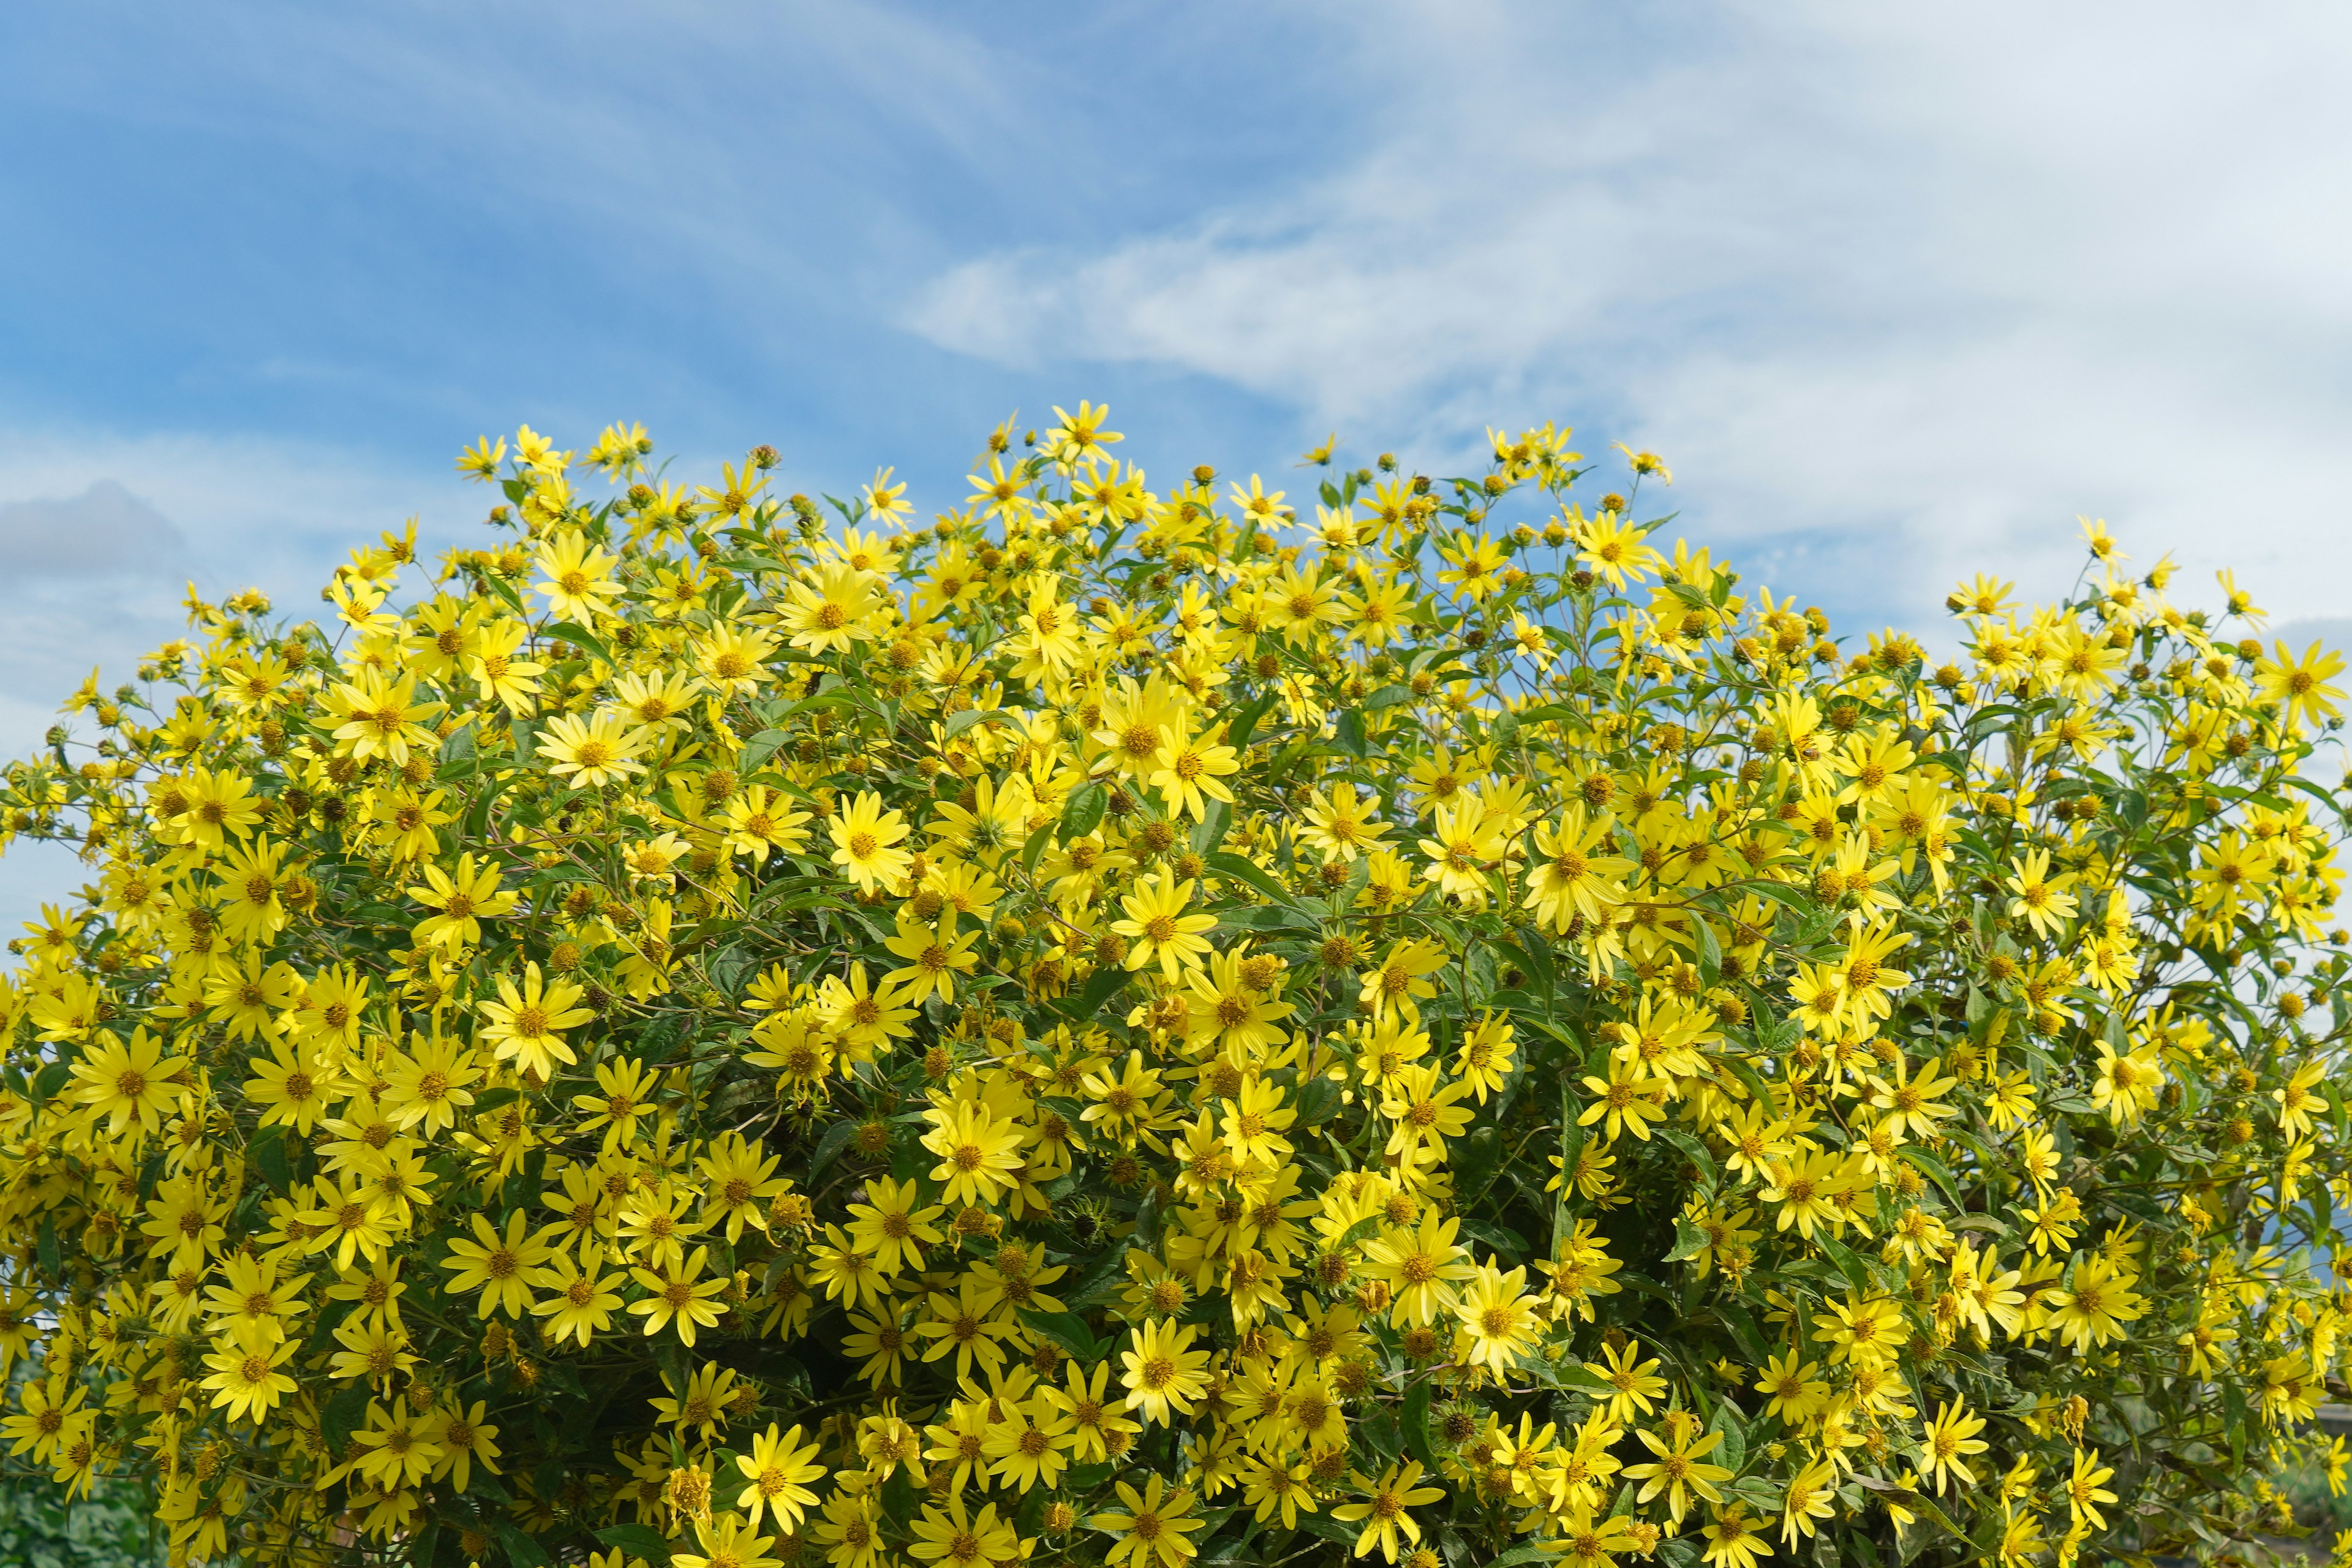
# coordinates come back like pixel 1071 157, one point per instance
pixel 112 1526
pixel 1126 1024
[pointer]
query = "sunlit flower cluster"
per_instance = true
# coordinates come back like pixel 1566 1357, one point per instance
pixel 1387 1017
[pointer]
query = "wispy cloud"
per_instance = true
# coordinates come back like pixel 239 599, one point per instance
pixel 1894 278
pixel 100 535
pixel 105 531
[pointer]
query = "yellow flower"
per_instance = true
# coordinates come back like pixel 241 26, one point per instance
pixel 678 1296
pixel 1189 771
pixel 428 1086
pixel 1733 1539
pixel 1163 1375
pixel 1388 1515
pixel 976 1153
pixel 462 899
pixel 577 577
pixel 381 718
pixel 1635 1381
pixel 1950 1438
pixel 295 1086
pixel 1624 1102
pixel 934 956
pixel 829 614
pixel 864 836
pixel 504 1269
pixel 2099 1304
pixel 779 1469
pixel 1152 1532
pixel 2084 1490
pixel 524 1025
pixel 592 753
pixel 1157 927
pixel 1498 1318
pixel 582 1303
pixel 1422 1269
pixel 2300 686
pixel 246 1381
pixel 1402 979
pixel 464 1440
pixel 760 820
pixel 1678 1470
pixel 1796 1395
pixel 951 1538
pixel 1422 1110
pixel 128 1083
pixel 727 1543
pixel 2043 900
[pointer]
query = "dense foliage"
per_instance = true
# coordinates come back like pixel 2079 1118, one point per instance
pixel 1132 1024
pixel 109 1525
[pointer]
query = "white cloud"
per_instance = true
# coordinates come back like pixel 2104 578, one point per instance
pixel 95 579
pixel 105 531
pixel 1899 291
pixel 262 511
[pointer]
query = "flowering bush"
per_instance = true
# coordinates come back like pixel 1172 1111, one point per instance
pixel 1128 1024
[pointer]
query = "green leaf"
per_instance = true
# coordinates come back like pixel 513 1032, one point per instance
pixel 637 1539
pixel 1857 1272
pixel 959 722
pixel 1692 1149
pixel 505 590
pixel 522 1551
pixel 1475 1156
pixel 578 635
pixel 345 1414
pixel 1574 1375
pixel 675 1362
pixel 1084 811
pixel 1066 1330
pixel 1245 724
pixel 1330 1529
pixel 837 1138
pixel 1749 1080
pixel 1235 867
pixel 1495 1237
pixel 1416 1426
pixel 268 1152
pixel 1518 1554
pixel 1034 847
pixel 1743 1329
pixel 1710 954
pixel 1535 954
pixel 899 1495
pixel 1211 831
pixel 51 1080
pixel 1105 984
pixel 1732 1453
pixel 1104 1283
pixel 1318 1098
pixel 1147 1221
pixel 460 745
pixel 761 747
pixel 1933 1170
pixel 1349 731
pixel 1689 1241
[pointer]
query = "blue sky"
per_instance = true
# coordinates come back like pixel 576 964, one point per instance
pixel 1899 291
